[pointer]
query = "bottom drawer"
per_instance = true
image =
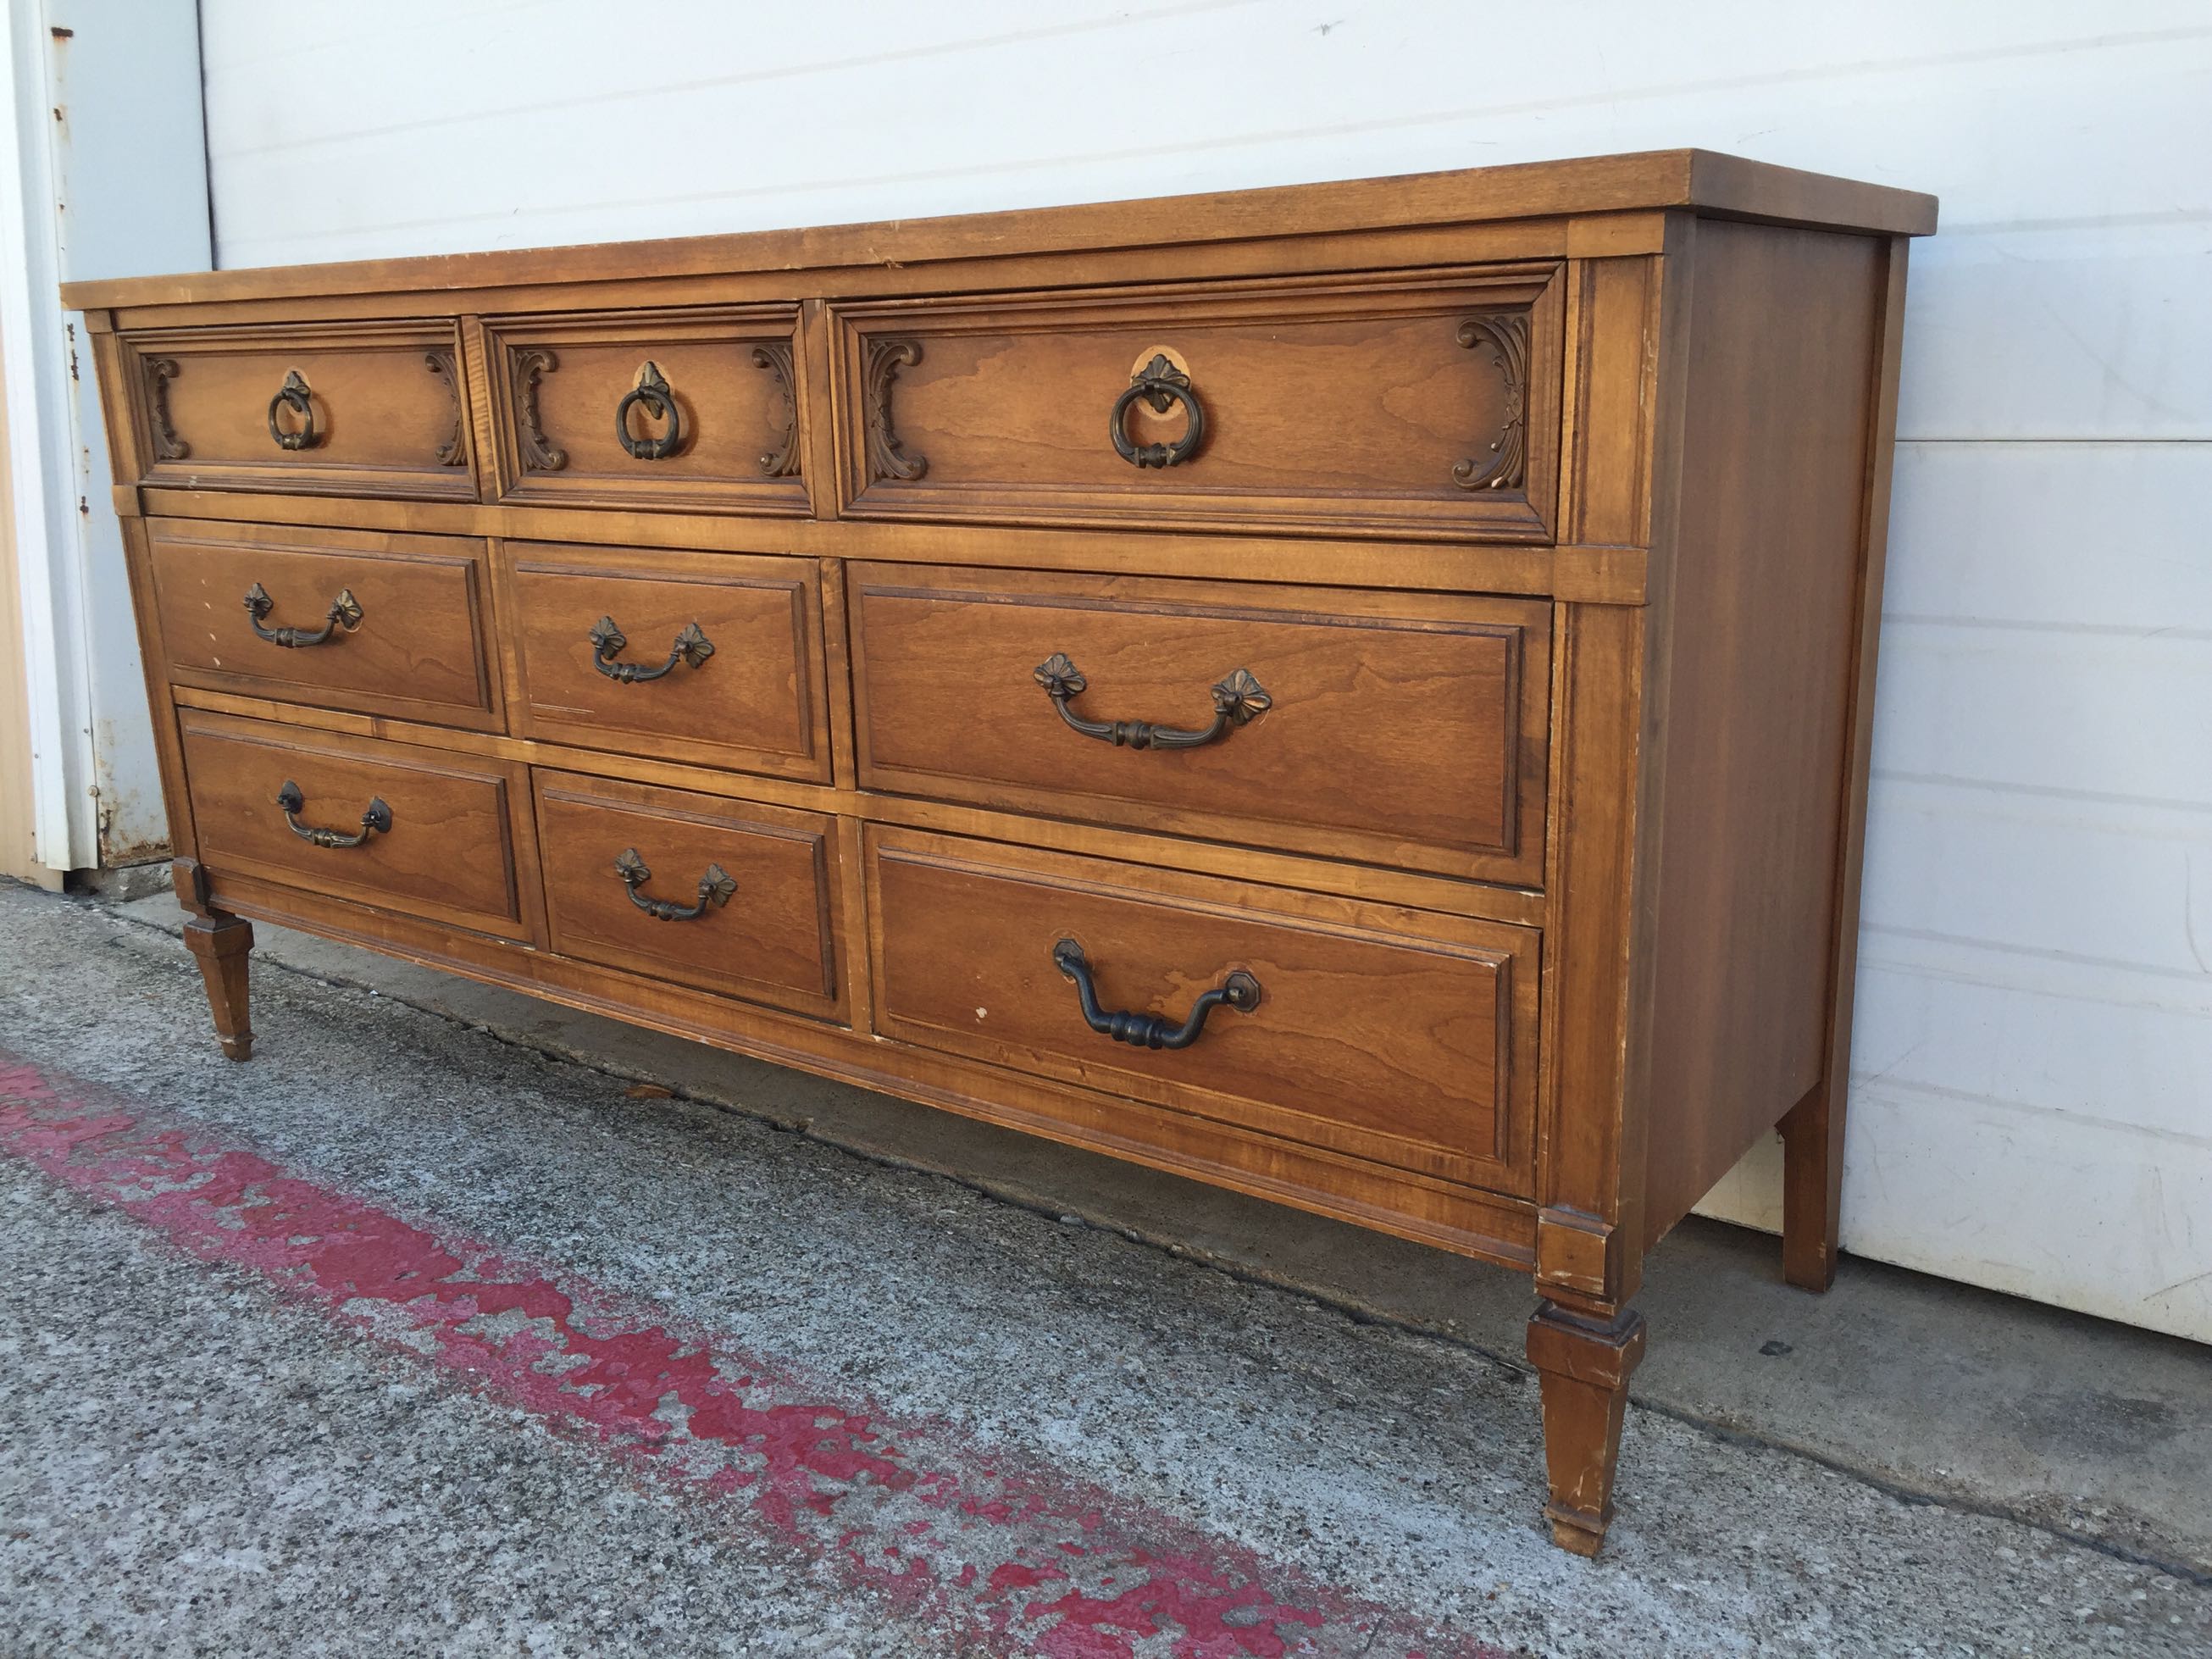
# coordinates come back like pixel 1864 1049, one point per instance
pixel 1395 1035
pixel 728 895
pixel 420 832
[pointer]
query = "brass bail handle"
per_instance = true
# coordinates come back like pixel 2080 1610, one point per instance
pixel 345 612
pixel 692 647
pixel 296 396
pixel 657 398
pixel 376 820
pixel 1237 700
pixel 1239 991
pixel 1162 386
pixel 716 886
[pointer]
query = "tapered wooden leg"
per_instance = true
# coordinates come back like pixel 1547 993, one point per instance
pixel 1584 1368
pixel 220 943
pixel 1812 1189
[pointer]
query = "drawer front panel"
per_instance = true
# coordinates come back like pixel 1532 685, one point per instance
pixel 758 878
pixel 713 658
pixel 1409 406
pixel 368 409
pixel 386 625
pixel 1398 729
pixel 448 849
pixel 707 404
pixel 1396 1035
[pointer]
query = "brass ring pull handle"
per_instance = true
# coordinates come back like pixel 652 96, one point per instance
pixel 1236 701
pixel 653 391
pixel 295 396
pixel 345 612
pixel 1163 385
pixel 692 646
pixel 714 889
pixel 377 819
pixel 1239 991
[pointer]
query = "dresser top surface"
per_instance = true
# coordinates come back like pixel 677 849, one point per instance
pixel 1702 181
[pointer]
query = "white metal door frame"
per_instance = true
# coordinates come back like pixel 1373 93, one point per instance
pixel 55 662
pixel 103 172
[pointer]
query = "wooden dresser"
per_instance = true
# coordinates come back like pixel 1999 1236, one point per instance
pixel 1356 693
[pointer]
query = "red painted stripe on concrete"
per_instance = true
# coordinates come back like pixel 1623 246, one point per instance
pixel 1004 1559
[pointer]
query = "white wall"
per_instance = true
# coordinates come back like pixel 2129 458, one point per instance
pixel 102 174
pixel 2034 1052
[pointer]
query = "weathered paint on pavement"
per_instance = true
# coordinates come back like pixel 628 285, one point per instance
pixel 995 1557
pixel 211 1440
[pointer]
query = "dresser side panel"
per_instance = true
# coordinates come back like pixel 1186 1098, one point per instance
pixel 1760 640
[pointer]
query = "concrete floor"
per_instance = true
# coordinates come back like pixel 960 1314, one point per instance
pixel 1046 1403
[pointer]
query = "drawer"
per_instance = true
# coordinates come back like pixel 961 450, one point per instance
pixel 353 409
pixel 348 619
pixel 1399 729
pixel 728 895
pixel 713 658
pixel 690 410
pixel 1393 1034
pixel 1425 405
pixel 446 845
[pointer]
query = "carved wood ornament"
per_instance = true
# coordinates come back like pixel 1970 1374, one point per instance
pixel 885 457
pixel 782 461
pixel 454 452
pixel 537 455
pixel 159 372
pixel 1506 333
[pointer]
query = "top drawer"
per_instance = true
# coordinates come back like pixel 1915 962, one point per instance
pixel 352 408
pixel 691 411
pixel 1422 405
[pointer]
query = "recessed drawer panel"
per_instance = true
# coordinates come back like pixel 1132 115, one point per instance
pixel 1423 405
pixel 355 409
pixel 348 619
pixel 728 895
pixel 687 410
pixel 1391 728
pixel 1398 1035
pixel 711 658
pixel 420 832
